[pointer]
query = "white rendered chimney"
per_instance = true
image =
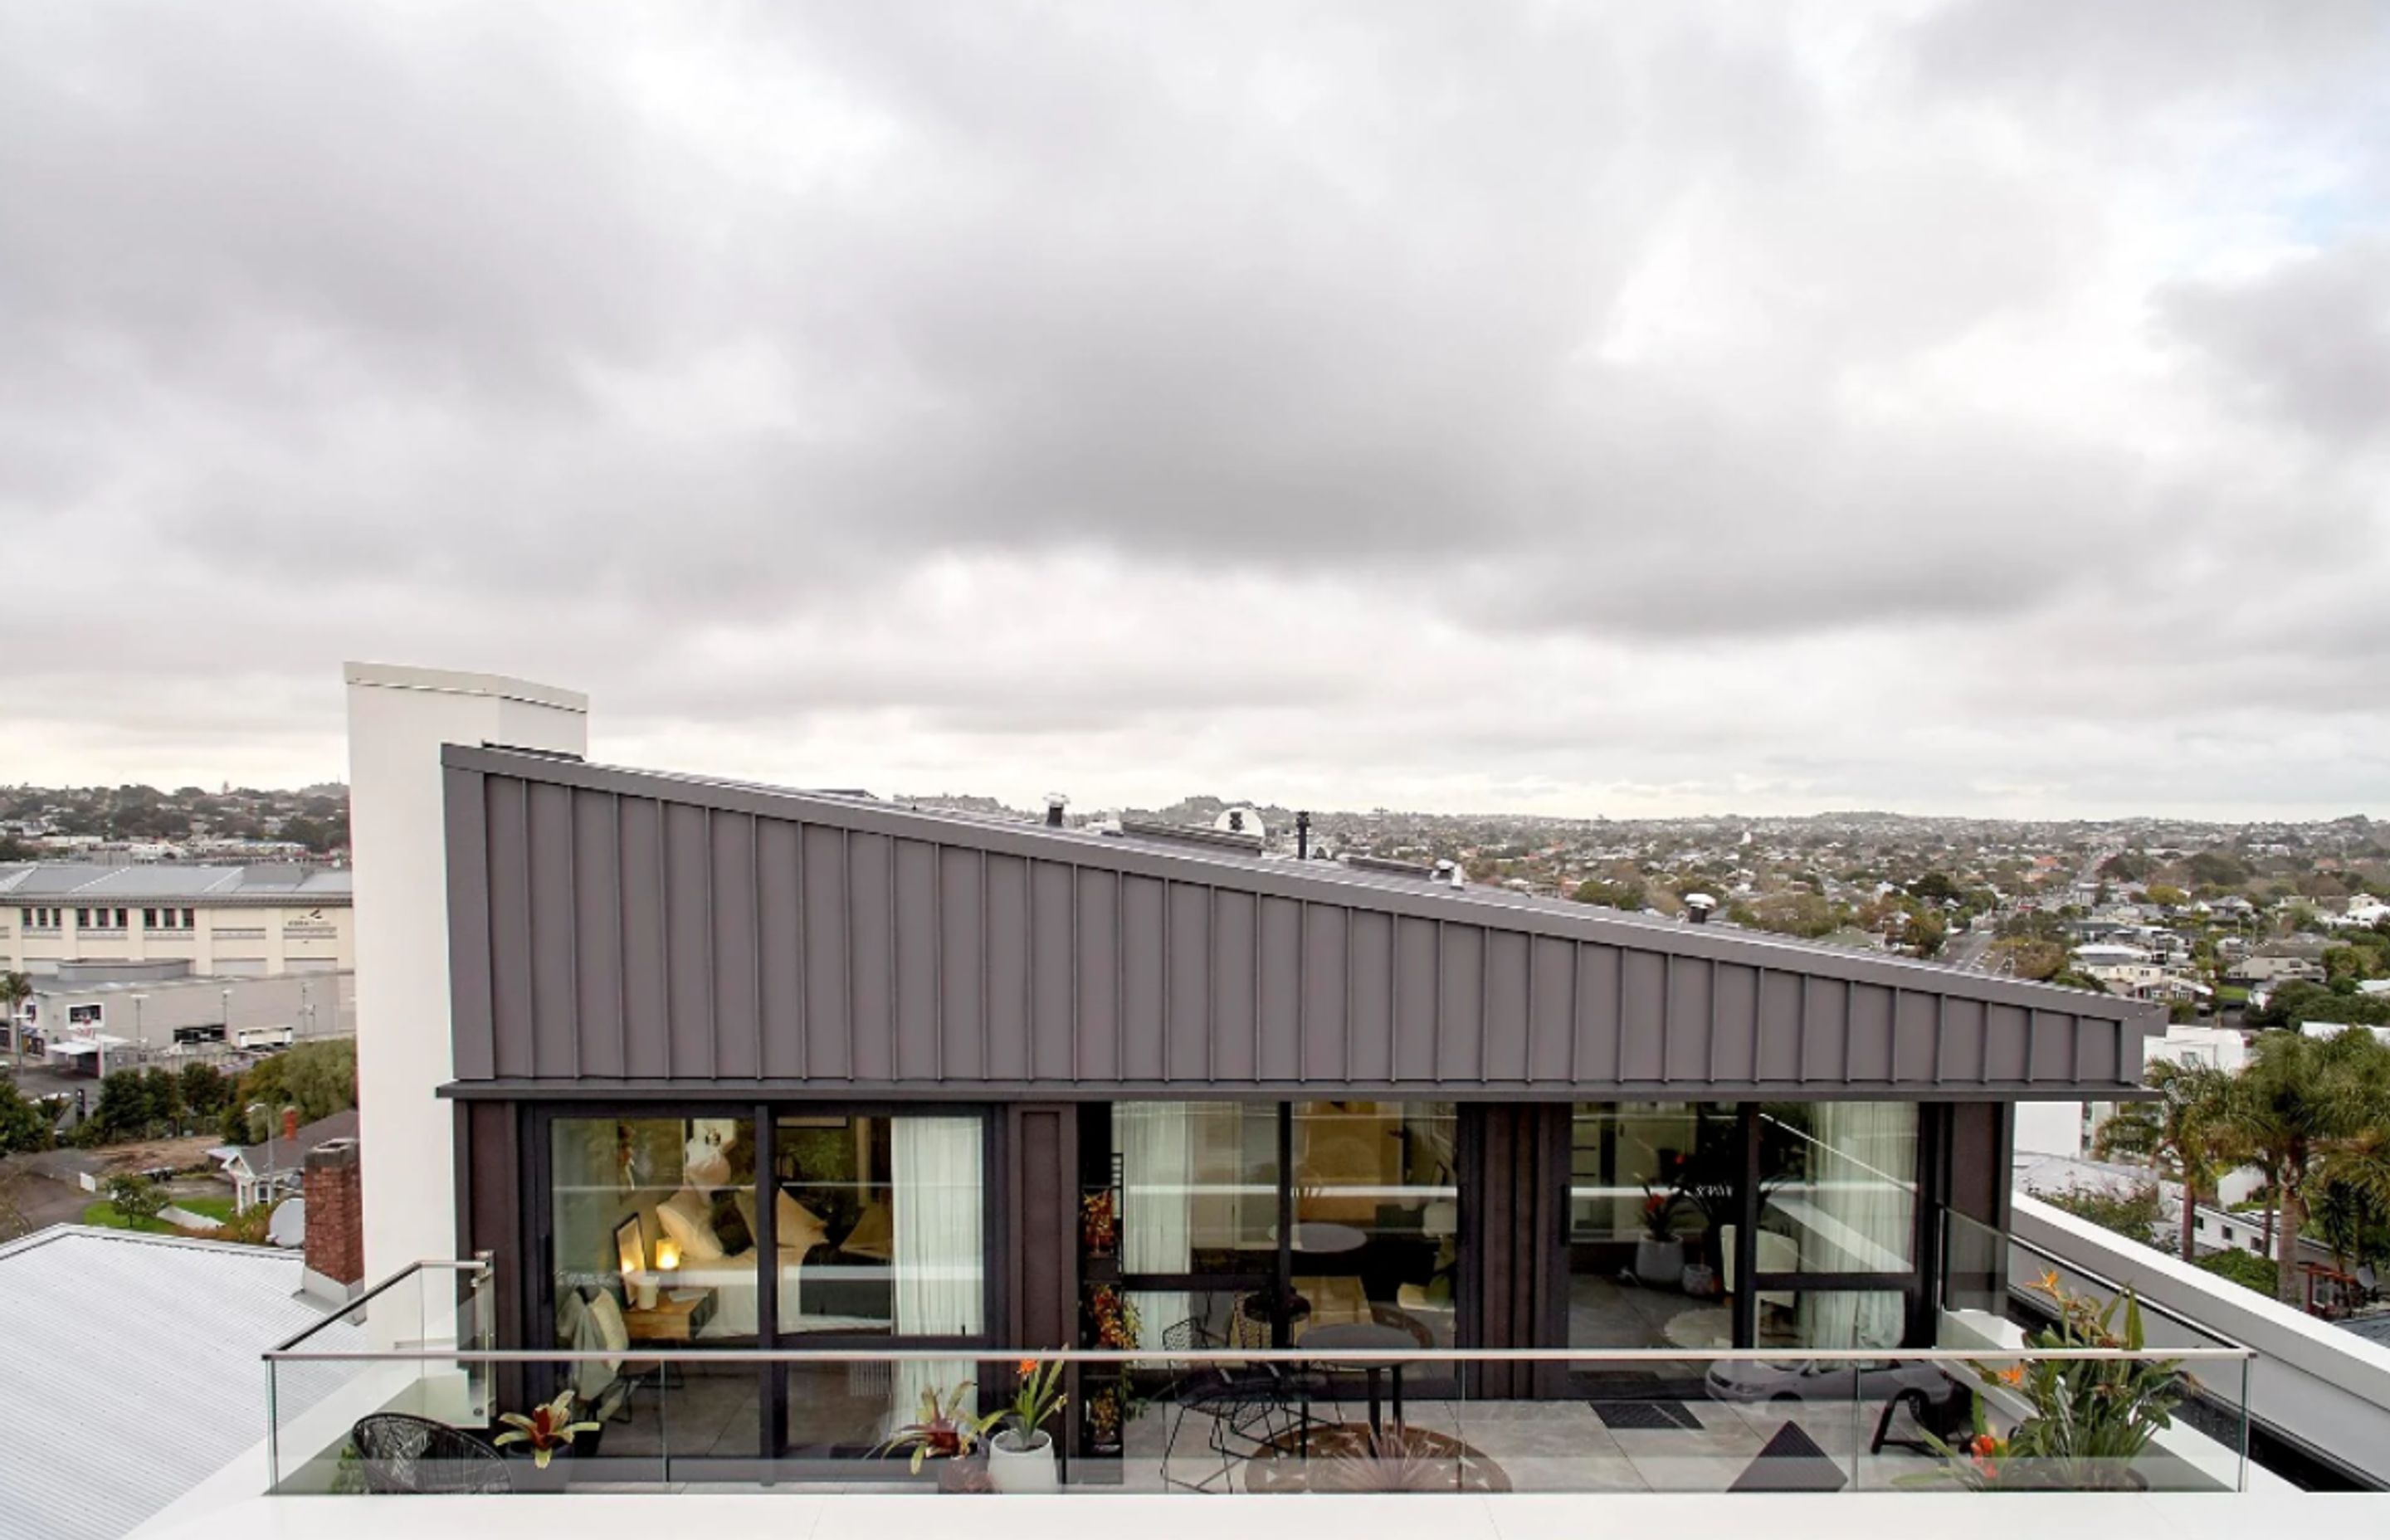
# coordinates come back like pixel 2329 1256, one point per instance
pixel 398 719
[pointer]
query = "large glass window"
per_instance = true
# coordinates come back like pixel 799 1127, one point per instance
pixel 879 1227
pixel 1653 1194
pixel 1372 1208
pixel 1658 1193
pixel 654 1231
pixel 1377 1215
pixel 1838 1196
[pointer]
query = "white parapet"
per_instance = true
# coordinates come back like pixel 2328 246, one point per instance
pixel 398 719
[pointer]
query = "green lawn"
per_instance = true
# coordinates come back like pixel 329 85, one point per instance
pixel 218 1209
pixel 103 1213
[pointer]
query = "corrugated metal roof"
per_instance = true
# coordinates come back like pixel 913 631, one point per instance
pixel 133 1371
pixel 72 882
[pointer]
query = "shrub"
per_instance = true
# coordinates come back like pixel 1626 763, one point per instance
pixel 2245 1268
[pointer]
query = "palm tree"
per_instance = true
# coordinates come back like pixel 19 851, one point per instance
pixel 2315 1110
pixel 2188 1134
pixel 14 988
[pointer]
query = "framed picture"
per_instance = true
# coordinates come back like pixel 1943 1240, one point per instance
pixel 630 1250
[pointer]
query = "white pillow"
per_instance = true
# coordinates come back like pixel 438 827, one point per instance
pixel 605 1314
pixel 687 1219
pixel 800 1228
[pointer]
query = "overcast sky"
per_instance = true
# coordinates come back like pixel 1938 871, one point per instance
pixel 1592 409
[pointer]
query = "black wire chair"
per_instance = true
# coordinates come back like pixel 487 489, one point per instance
pixel 418 1457
pixel 1247 1408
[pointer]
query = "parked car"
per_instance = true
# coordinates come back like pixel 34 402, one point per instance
pixel 1821 1380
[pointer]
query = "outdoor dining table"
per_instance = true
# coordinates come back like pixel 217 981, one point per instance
pixel 1365 1337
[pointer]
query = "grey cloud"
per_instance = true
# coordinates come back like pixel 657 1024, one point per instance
pixel 2308 342
pixel 994 373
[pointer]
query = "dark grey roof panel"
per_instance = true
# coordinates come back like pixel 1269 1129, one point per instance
pixel 624 928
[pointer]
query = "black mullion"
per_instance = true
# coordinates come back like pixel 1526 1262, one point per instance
pixel 1834 1283
pixel 1282 1324
pixel 773 1392
pixel 1745 1321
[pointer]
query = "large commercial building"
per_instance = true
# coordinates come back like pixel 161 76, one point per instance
pixel 224 921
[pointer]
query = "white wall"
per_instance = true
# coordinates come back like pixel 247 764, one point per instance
pixel 398 719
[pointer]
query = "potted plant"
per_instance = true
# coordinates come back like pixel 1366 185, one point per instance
pixel 1104 1410
pixel 2087 1419
pixel 944 1431
pixel 1099 1224
pixel 543 1433
pixel 1114 1318
pixel 1021 1455
pixel 1658 1255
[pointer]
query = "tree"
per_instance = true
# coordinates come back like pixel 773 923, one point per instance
pixel 2187 1134
pixel 319 1079
pixel 2314 1110
pixel 205 1090
pixel 24 1123
pixel 136 1197
pixel 2167 895
pixel 15 988
pixel 1629 893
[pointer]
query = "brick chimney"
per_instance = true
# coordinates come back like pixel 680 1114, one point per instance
pixel 334 1188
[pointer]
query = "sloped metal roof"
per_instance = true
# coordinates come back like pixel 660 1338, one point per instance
pixel 133 1371
pixel 631 929
pixel 76 882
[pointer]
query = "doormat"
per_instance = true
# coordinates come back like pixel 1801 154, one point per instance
pixel 1644 1416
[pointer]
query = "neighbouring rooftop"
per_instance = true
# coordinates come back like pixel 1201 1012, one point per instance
pixel 132 1370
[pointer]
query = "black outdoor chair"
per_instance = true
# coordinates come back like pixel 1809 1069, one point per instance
pixel 416 1456
pixel 1946 1412
pixel 1248 1407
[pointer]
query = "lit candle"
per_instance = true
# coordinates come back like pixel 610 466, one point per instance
pixel 667 1256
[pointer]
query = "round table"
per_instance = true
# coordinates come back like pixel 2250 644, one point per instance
pixel 1320 1237
pixel 1365 1337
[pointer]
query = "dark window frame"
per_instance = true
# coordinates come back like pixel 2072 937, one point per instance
pixel 536 1230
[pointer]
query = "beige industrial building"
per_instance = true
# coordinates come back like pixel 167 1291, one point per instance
pixel 247 921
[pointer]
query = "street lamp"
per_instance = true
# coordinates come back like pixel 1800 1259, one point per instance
pixel 140 1039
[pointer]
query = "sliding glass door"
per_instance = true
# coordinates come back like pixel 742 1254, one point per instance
pixel 1255 1223
pixel 805 1227
pixel 1708 1224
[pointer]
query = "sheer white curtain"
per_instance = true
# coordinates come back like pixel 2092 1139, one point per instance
pixel 1156 1142
pixel 1863 1173
pixel 935 1196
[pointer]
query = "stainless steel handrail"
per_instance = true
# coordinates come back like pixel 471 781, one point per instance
pixel 646 1353
pixel 413 1269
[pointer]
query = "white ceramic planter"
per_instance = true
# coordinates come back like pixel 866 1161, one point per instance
pixel 1660 1262
pixel 1026 1469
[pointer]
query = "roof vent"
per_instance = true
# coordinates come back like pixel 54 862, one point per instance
pixel 1216 838
pixel 1055 803
pixel 1391 867
pixel 1698 908
pixel 1240 820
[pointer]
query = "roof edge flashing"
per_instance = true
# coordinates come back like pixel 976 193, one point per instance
pixel 400 677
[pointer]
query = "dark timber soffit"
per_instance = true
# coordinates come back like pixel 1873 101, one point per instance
pixel 628 932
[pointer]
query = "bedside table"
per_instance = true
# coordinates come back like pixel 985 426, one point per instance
pixel 672 1320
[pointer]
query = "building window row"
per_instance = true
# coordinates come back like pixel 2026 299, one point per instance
pixel 168 920
pixel 38 919
pixel 100 919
